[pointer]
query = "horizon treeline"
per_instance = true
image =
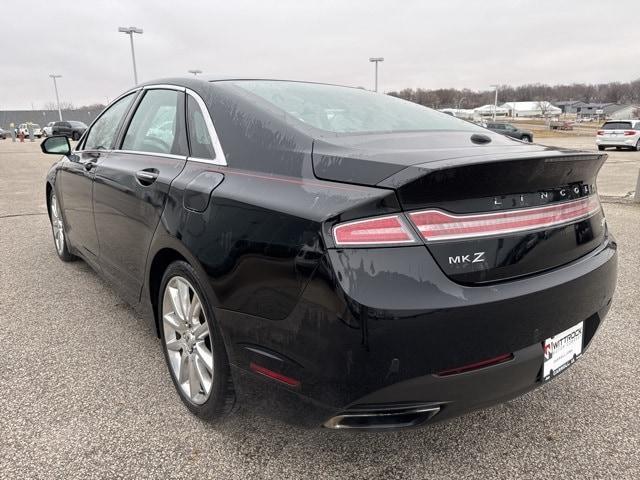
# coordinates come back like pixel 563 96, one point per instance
pixel 613 92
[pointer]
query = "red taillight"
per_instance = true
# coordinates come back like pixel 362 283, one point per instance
pixel 600 132
pixel 373 231
pixel 630 132
pixel 292 382
pixel 477 365
pixel 438 225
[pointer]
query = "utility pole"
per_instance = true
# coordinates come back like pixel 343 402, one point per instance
pixel 195 72
pixel 495 102
pixel 55 86
pixel 130 31
pixel 376 60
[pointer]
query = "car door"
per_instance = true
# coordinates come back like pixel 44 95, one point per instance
pixel 132 184
pixel 75 181
pixel 511 131
pixel 63 128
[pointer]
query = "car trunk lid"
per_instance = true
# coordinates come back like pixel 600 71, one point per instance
pixel 553 190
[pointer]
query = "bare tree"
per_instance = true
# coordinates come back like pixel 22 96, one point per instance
pixel 614 92
pixel 544 107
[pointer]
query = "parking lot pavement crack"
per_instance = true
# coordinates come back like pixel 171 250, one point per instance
pixel 29 214
pixel 627 199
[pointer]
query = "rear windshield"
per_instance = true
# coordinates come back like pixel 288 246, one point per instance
pixel 77 124
pixel 616 126
pixel 350 110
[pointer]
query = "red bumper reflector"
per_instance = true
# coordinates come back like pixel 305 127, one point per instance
pixel 439 225
pixel 292 382
pixel 477 365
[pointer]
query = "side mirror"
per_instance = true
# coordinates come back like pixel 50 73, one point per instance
pixel 57 145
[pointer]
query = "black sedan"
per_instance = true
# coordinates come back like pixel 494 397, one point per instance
pixel 71 129
pixel 511 131
pixel 332 255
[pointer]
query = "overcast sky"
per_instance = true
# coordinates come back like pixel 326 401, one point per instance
pixel 430 44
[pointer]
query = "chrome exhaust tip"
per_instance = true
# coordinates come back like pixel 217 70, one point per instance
pixel 394 417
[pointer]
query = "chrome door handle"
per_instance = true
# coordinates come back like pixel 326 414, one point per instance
pixel 147 177
pixel 89 164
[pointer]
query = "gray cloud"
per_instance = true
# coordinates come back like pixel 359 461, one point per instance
pixel 429 44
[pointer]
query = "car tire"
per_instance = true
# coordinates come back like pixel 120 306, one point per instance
pixel 527 139
pixel 75 136
pixel 601 147
pixel 192 344
pixel 58 230
pixel 637 147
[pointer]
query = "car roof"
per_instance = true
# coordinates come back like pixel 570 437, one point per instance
pixel 204 79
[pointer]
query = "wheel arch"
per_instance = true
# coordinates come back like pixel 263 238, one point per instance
pixel 48 189
pixel 161 260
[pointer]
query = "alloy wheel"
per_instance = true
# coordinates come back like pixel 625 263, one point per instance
pixel 57 225
pixel 187 339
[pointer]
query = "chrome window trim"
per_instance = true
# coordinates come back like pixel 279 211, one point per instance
pixel 217 147
pixel 85 134
pixel 163 86
pixel 153 154
pixel 215 140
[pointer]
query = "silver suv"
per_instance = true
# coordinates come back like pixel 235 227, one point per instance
pixel 619 133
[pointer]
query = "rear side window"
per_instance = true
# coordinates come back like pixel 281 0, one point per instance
pixel 616 126
pixel 103 133
pixel 156 125
pixel 199 138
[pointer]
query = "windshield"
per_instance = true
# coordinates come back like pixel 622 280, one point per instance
pixel 78 124
pixel 350 110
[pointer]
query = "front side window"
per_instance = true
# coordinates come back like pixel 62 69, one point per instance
pixel 103 133
pixel 155 126
pixel 350 110
pixel 199 138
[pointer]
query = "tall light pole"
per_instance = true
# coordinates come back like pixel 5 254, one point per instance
pixel 195 72
pixel 130 31
pixel 495 102
pixel 376 60
pixel 55 86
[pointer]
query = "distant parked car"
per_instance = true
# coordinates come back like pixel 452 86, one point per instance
pixel 619 134
pixel 24 129
pixel 69 128
pixel 3 134
pixel 561 125
pixel 511 131
pixel 47 131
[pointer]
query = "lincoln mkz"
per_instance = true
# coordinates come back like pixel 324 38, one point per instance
pixel 336 256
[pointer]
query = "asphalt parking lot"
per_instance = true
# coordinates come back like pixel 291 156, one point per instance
pixel 84 390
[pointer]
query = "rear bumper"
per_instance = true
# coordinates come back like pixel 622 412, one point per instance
pixel 371 334
pixel 453 395
pixel 622 141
